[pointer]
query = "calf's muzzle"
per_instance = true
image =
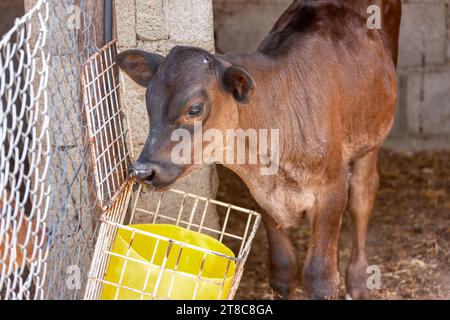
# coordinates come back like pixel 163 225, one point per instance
pixel 154 174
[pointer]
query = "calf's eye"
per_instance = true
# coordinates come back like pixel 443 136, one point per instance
pixel 196 110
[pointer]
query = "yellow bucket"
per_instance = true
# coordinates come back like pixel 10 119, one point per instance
pixel 186 276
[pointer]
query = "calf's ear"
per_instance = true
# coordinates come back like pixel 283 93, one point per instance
pixel 239 83
pixel 141 66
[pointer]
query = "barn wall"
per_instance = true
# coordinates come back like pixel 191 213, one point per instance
pixel 423 118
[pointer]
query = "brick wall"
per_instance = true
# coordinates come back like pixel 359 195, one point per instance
pixel 423 117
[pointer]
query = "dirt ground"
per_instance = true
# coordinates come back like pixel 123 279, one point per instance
pixel 409 236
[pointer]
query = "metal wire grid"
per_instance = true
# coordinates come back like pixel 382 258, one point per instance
pixel 106 236
pixel 73 218
pixel 107 130
pixel 113 222
pixel 24 156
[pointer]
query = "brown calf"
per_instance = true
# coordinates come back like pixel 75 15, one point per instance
pixel 328 83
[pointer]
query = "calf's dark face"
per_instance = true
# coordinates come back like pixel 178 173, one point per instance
pixel 188 87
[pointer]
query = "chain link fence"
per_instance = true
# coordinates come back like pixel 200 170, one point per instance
pixel 25 157
pixel 48 219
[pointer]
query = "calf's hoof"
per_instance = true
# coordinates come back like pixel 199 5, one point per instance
pixel 356 280
pixel 282 290
pixel 322 293
pixel 355 294
pixel 320 286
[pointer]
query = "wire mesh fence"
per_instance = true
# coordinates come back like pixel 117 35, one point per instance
pixel 25 155
pixel 72 219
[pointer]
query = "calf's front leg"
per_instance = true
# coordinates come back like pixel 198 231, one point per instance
pixel 320 273
pixel 282 260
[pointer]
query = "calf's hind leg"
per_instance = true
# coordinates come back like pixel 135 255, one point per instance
pixel 282 260
pixel 363 189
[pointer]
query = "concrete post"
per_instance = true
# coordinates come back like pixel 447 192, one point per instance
pixel 158 26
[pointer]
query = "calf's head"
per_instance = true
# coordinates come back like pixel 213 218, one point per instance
pixel 188 87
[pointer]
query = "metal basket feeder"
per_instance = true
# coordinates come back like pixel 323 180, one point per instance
pixel 174 255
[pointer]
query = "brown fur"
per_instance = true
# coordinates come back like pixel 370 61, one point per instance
pixel 329 84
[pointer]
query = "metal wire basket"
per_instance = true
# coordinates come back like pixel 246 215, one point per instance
pixel 196 262
pixel 161 279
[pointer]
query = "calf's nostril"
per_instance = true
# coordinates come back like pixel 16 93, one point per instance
pixel 141 170
pixel 144 172
pixel 149 176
